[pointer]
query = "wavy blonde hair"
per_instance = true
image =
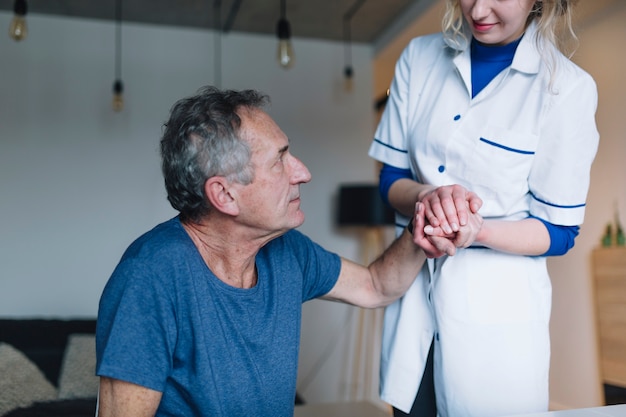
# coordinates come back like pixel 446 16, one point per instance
pixel 554 27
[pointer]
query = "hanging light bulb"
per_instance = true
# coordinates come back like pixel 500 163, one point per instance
pixel 18 29
pixel 118 95
pixel 348 74
pixel 348 69
pixel 118 85
pixel 285 49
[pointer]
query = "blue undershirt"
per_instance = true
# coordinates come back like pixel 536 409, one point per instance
pixel 487 62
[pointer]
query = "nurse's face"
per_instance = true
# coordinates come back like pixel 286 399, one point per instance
pixel 496 22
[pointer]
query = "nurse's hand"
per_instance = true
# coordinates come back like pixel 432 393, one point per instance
pixel 433 246
pixel 450 206
pixel 464 237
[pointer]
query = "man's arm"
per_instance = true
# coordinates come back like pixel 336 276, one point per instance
pixel 388 277
pixel 122 399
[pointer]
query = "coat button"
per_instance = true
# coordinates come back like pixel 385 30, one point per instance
pixel 441 168
pixel 457 117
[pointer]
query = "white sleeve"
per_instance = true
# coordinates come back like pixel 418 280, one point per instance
pixel 560 176
pixel 389 145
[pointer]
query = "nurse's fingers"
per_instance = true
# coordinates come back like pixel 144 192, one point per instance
pixel 466 203
pixel 447 206
pixel 434 210
pixel 461 205
pixel 475 202
pixel 464 237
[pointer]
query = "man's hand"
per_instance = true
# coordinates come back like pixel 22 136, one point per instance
pixel 433 246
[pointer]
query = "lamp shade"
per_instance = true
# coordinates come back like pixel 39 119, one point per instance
pixel 362 205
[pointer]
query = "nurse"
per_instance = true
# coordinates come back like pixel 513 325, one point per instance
pixel 490 120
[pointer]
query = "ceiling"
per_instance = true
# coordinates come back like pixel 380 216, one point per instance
pixel 318 19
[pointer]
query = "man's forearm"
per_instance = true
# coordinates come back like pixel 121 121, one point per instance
pixel 395 270
pixel 122 399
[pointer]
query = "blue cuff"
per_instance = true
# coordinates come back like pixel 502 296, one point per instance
pixel 561 237
pixel 388 175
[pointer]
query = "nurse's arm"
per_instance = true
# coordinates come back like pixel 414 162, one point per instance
pixel 528 237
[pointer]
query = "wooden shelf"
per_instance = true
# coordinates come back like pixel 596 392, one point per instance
pixel 609 274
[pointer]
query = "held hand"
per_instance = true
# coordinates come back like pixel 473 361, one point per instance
pixel 433 246
pixel 464 237
pixel 450 206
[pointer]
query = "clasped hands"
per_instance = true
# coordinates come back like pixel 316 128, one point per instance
pixel 446 218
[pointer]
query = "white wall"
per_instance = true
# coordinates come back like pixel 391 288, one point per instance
pixel 575 379
pixel 79 182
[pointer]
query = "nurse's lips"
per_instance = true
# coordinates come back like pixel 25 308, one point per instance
pixel 483 27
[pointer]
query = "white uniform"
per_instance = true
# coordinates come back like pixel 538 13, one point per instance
pixel 524 147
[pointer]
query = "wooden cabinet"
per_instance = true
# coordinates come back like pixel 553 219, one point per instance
pixel 609 273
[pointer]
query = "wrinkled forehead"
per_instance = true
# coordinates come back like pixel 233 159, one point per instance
pixel 257 125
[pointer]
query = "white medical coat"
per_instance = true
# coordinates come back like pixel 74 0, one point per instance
pixel 525 146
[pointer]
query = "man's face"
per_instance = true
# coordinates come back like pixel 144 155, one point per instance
pixel 271 202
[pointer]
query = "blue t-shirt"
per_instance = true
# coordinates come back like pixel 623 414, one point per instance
pixel 166 322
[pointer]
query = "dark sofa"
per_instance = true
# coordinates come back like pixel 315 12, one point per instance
pixel 44 344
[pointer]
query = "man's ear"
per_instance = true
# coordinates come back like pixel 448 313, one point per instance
pixel 217 190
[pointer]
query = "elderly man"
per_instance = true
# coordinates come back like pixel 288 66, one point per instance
pixel 201 317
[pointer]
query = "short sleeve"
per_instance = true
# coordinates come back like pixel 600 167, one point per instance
pixel 320 268
pixel 136 329
pixel 389 145
pixel 560 176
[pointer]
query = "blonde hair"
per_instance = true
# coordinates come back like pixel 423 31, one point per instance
pixel 554 27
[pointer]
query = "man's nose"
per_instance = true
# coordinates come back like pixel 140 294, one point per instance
pixel 301 173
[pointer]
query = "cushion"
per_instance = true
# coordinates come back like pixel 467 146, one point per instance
pixel 21 382
pixel 58 408
pixel 43 341
pixel 78 371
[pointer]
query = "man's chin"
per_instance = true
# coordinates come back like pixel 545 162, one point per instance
pixel 299 219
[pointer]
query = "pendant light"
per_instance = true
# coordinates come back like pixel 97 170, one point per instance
pixel 283 29
pixel 18 29
pixel 348 70
pixel 118 85
pixel 217 42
